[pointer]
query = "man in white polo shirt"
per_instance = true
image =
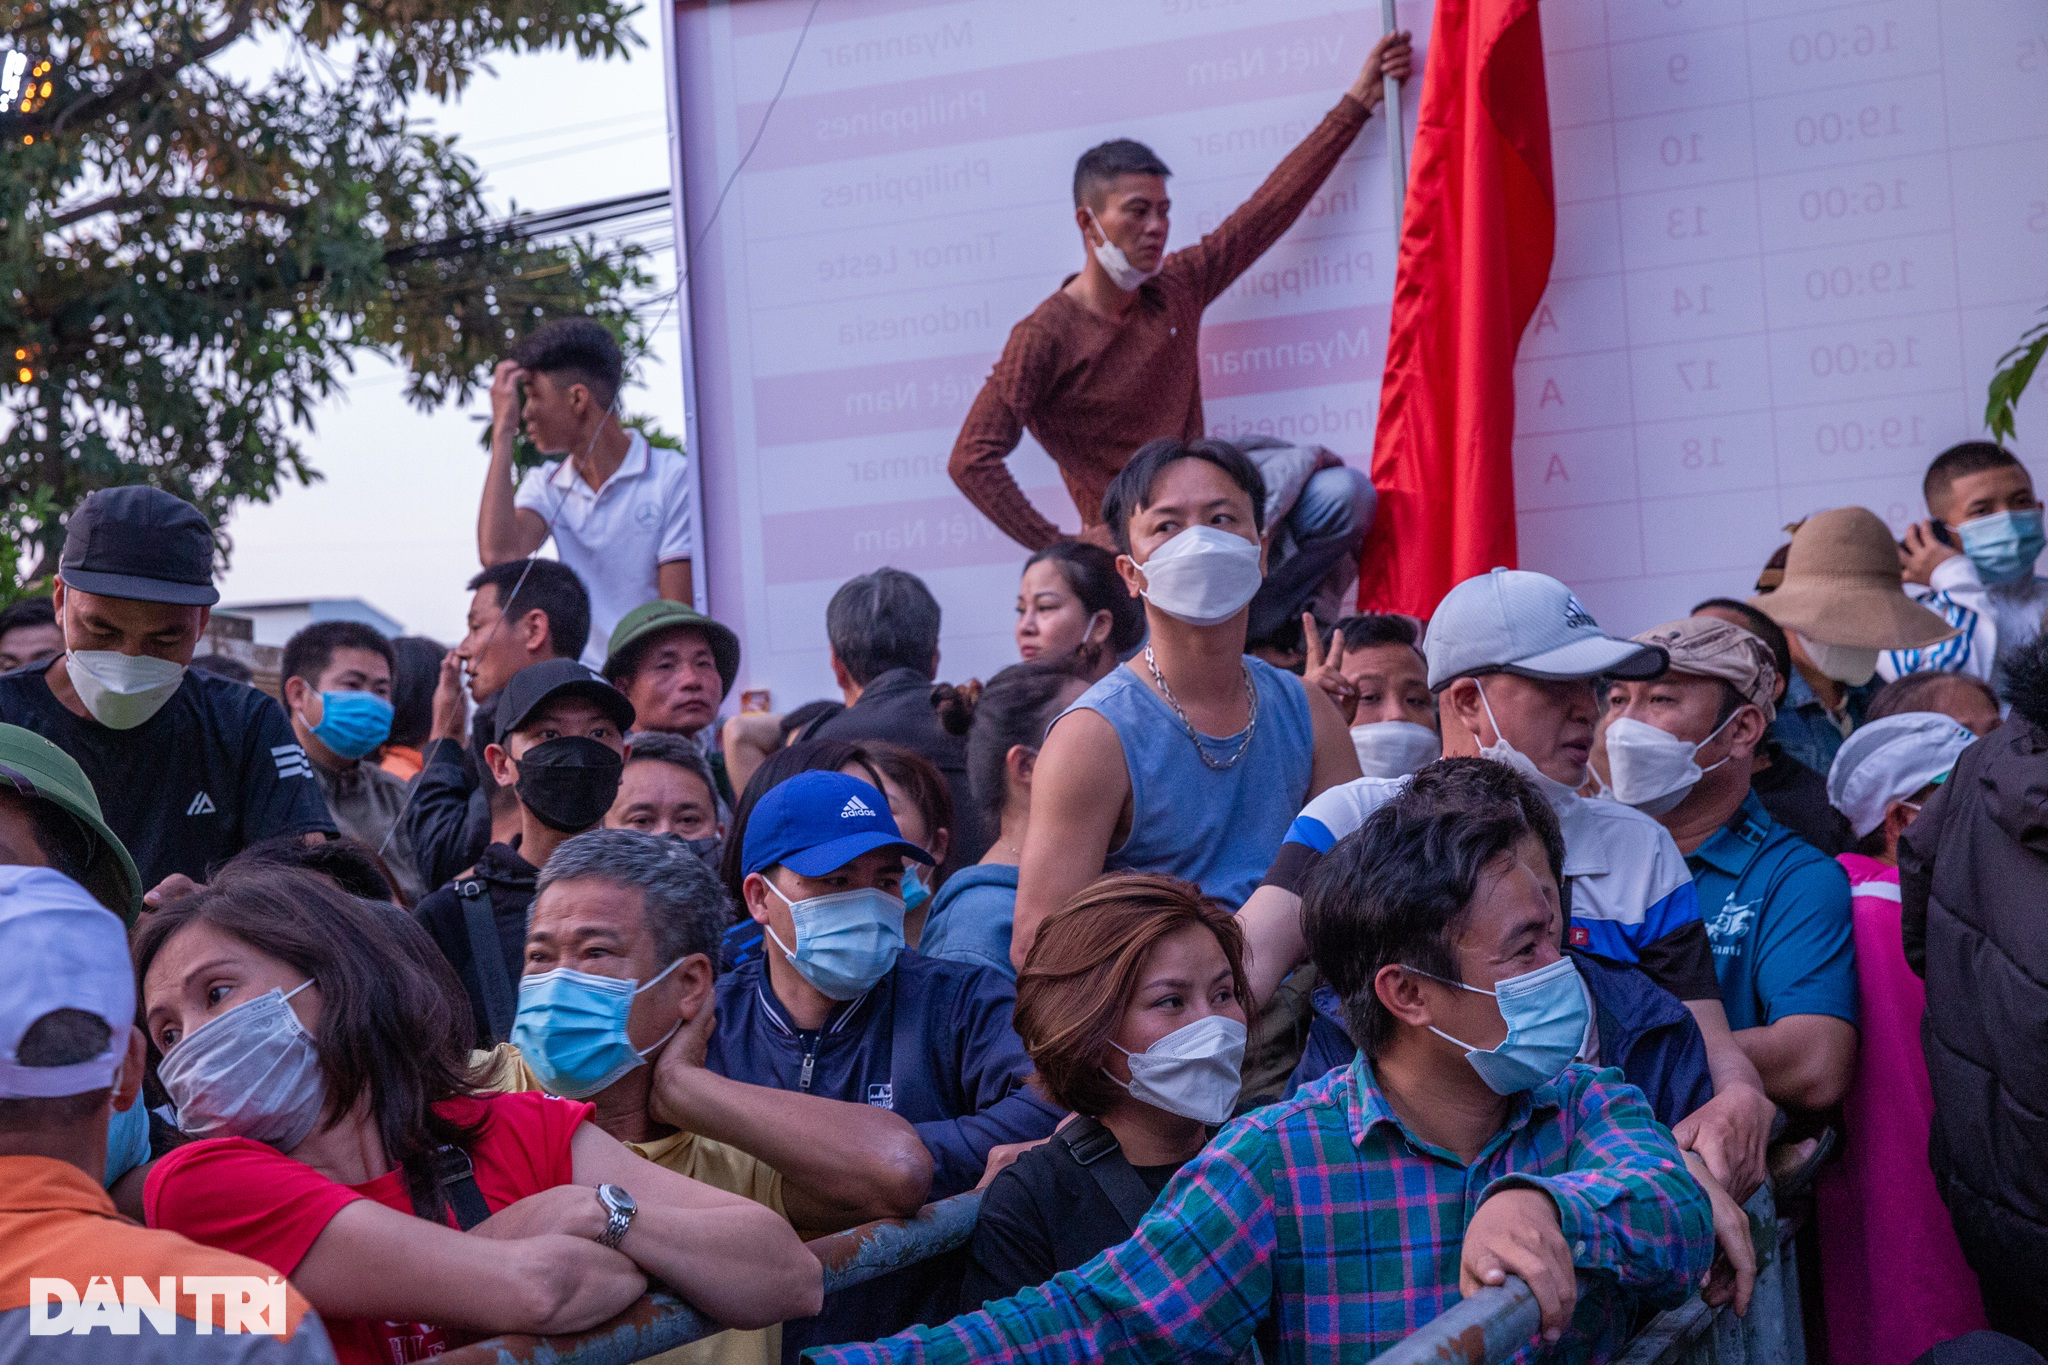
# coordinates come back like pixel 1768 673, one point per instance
pixel 1514 659
pixel 618 508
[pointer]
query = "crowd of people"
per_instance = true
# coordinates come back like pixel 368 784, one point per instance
pixel 1279 976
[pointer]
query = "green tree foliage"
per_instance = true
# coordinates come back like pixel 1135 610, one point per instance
pixel 2015 371
pixel 210 208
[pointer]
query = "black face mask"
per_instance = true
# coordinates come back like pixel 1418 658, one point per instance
pixel 710 849
pixel 569 782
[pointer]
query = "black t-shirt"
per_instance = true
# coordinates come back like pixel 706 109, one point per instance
pixel 217 769
pixel 1797 797
pixel 1045 1213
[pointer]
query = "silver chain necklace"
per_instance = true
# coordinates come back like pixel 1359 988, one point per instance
pixel 1251 726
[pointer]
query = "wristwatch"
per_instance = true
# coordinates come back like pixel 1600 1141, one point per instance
pixel 619 1210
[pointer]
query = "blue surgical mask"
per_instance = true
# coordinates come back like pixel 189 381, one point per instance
pixel 353 723
pixel 2004 545
pixel 915 892
pixel 845 942
pixel 1546 1012
pixel 571 1029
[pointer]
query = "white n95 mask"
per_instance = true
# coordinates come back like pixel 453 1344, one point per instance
pixel 1554 792
pixel 1394 748
pixel 1115 264
pixel 1195 1071
pixel 1653 771
pixel 1203 576
pixel 122 690
pixel 1844 663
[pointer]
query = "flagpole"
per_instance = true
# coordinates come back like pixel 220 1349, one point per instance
pixel 1397 144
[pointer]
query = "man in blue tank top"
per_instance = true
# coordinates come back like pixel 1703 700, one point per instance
pixel 1191 759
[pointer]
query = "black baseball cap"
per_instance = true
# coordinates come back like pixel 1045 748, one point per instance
pixel 142 544
pixel 537 684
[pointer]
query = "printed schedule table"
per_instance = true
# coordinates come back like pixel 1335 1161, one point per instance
pixel 1793 239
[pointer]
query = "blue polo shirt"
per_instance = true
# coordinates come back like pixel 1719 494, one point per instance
pixel 1777 913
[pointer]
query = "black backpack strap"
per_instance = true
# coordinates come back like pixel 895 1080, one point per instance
pixel 1094 1149
pixel 487 956
pixel 457 1179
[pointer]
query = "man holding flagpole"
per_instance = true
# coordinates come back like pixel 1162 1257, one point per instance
pixel 1110 360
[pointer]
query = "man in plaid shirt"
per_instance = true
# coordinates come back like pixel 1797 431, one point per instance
pixel 1462 1146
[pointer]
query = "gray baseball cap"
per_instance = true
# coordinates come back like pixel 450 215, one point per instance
pixel 1517 621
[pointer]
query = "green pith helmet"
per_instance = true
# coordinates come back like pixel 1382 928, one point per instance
pixel 35 768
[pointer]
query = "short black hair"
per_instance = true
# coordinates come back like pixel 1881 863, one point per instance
pixel 1371 629
pixel 225 666
pixel 1970 457
pixel 348 863
pixel 883 620
pixel 1759 625
pixel 63 1037
pixel 1396 890
pixel 1130 492
pixel 2026 681
pixel 806 718
pixel 1909 693
pixel 581 349
pixel 658 746
pixel 548 586
pixel 1101 165
pixel 29 611
pixel 414 675
pixel 307 653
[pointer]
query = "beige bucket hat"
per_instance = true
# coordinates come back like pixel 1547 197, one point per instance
pixel 1708 647
pixel 1842 586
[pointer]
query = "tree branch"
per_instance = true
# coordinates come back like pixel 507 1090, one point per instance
pixel 149 78
pixel 128 203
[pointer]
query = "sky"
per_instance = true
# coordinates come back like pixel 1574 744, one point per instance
pixel 393 521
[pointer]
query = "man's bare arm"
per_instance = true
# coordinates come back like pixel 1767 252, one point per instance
pixel 1273 941
pixel 674 582
pixel 1336 757
pixel 1805 1060
pixel 505 531
pixel 1078 790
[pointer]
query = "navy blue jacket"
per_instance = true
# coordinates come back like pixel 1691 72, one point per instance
pixel 932 1042
pixel 1644 1030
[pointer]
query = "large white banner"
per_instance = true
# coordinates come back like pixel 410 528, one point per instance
pixel 1793 238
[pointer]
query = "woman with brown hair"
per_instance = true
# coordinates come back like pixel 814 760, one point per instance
pixel 316 1050
pixel 1132 1005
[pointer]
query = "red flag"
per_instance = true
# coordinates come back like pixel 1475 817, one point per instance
pixel 1475 256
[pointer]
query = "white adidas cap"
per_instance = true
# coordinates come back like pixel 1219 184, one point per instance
pixel 1516 621
pixel 63 950
pixel 1888 760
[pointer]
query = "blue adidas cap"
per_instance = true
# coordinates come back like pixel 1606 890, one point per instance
pixel 818 822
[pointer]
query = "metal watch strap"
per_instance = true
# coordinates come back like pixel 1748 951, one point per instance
pixel 617 1222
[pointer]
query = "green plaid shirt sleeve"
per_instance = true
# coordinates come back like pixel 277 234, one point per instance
pixel 1328 1229
pixel 1628 1207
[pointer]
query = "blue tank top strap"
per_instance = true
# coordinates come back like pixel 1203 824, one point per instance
pixel 1218 828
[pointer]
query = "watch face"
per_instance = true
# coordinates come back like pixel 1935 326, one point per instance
pixel 616 1197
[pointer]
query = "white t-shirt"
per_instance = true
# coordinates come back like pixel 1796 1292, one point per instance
pixel 615 537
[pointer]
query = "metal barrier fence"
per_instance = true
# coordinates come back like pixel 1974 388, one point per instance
pixel 661 1321
pixel 1495 1323
pixel 1482 1330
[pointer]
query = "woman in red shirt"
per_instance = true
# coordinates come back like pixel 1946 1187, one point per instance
pixel 317 1046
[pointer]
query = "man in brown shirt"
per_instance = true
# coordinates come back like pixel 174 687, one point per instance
pixel 1110 360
